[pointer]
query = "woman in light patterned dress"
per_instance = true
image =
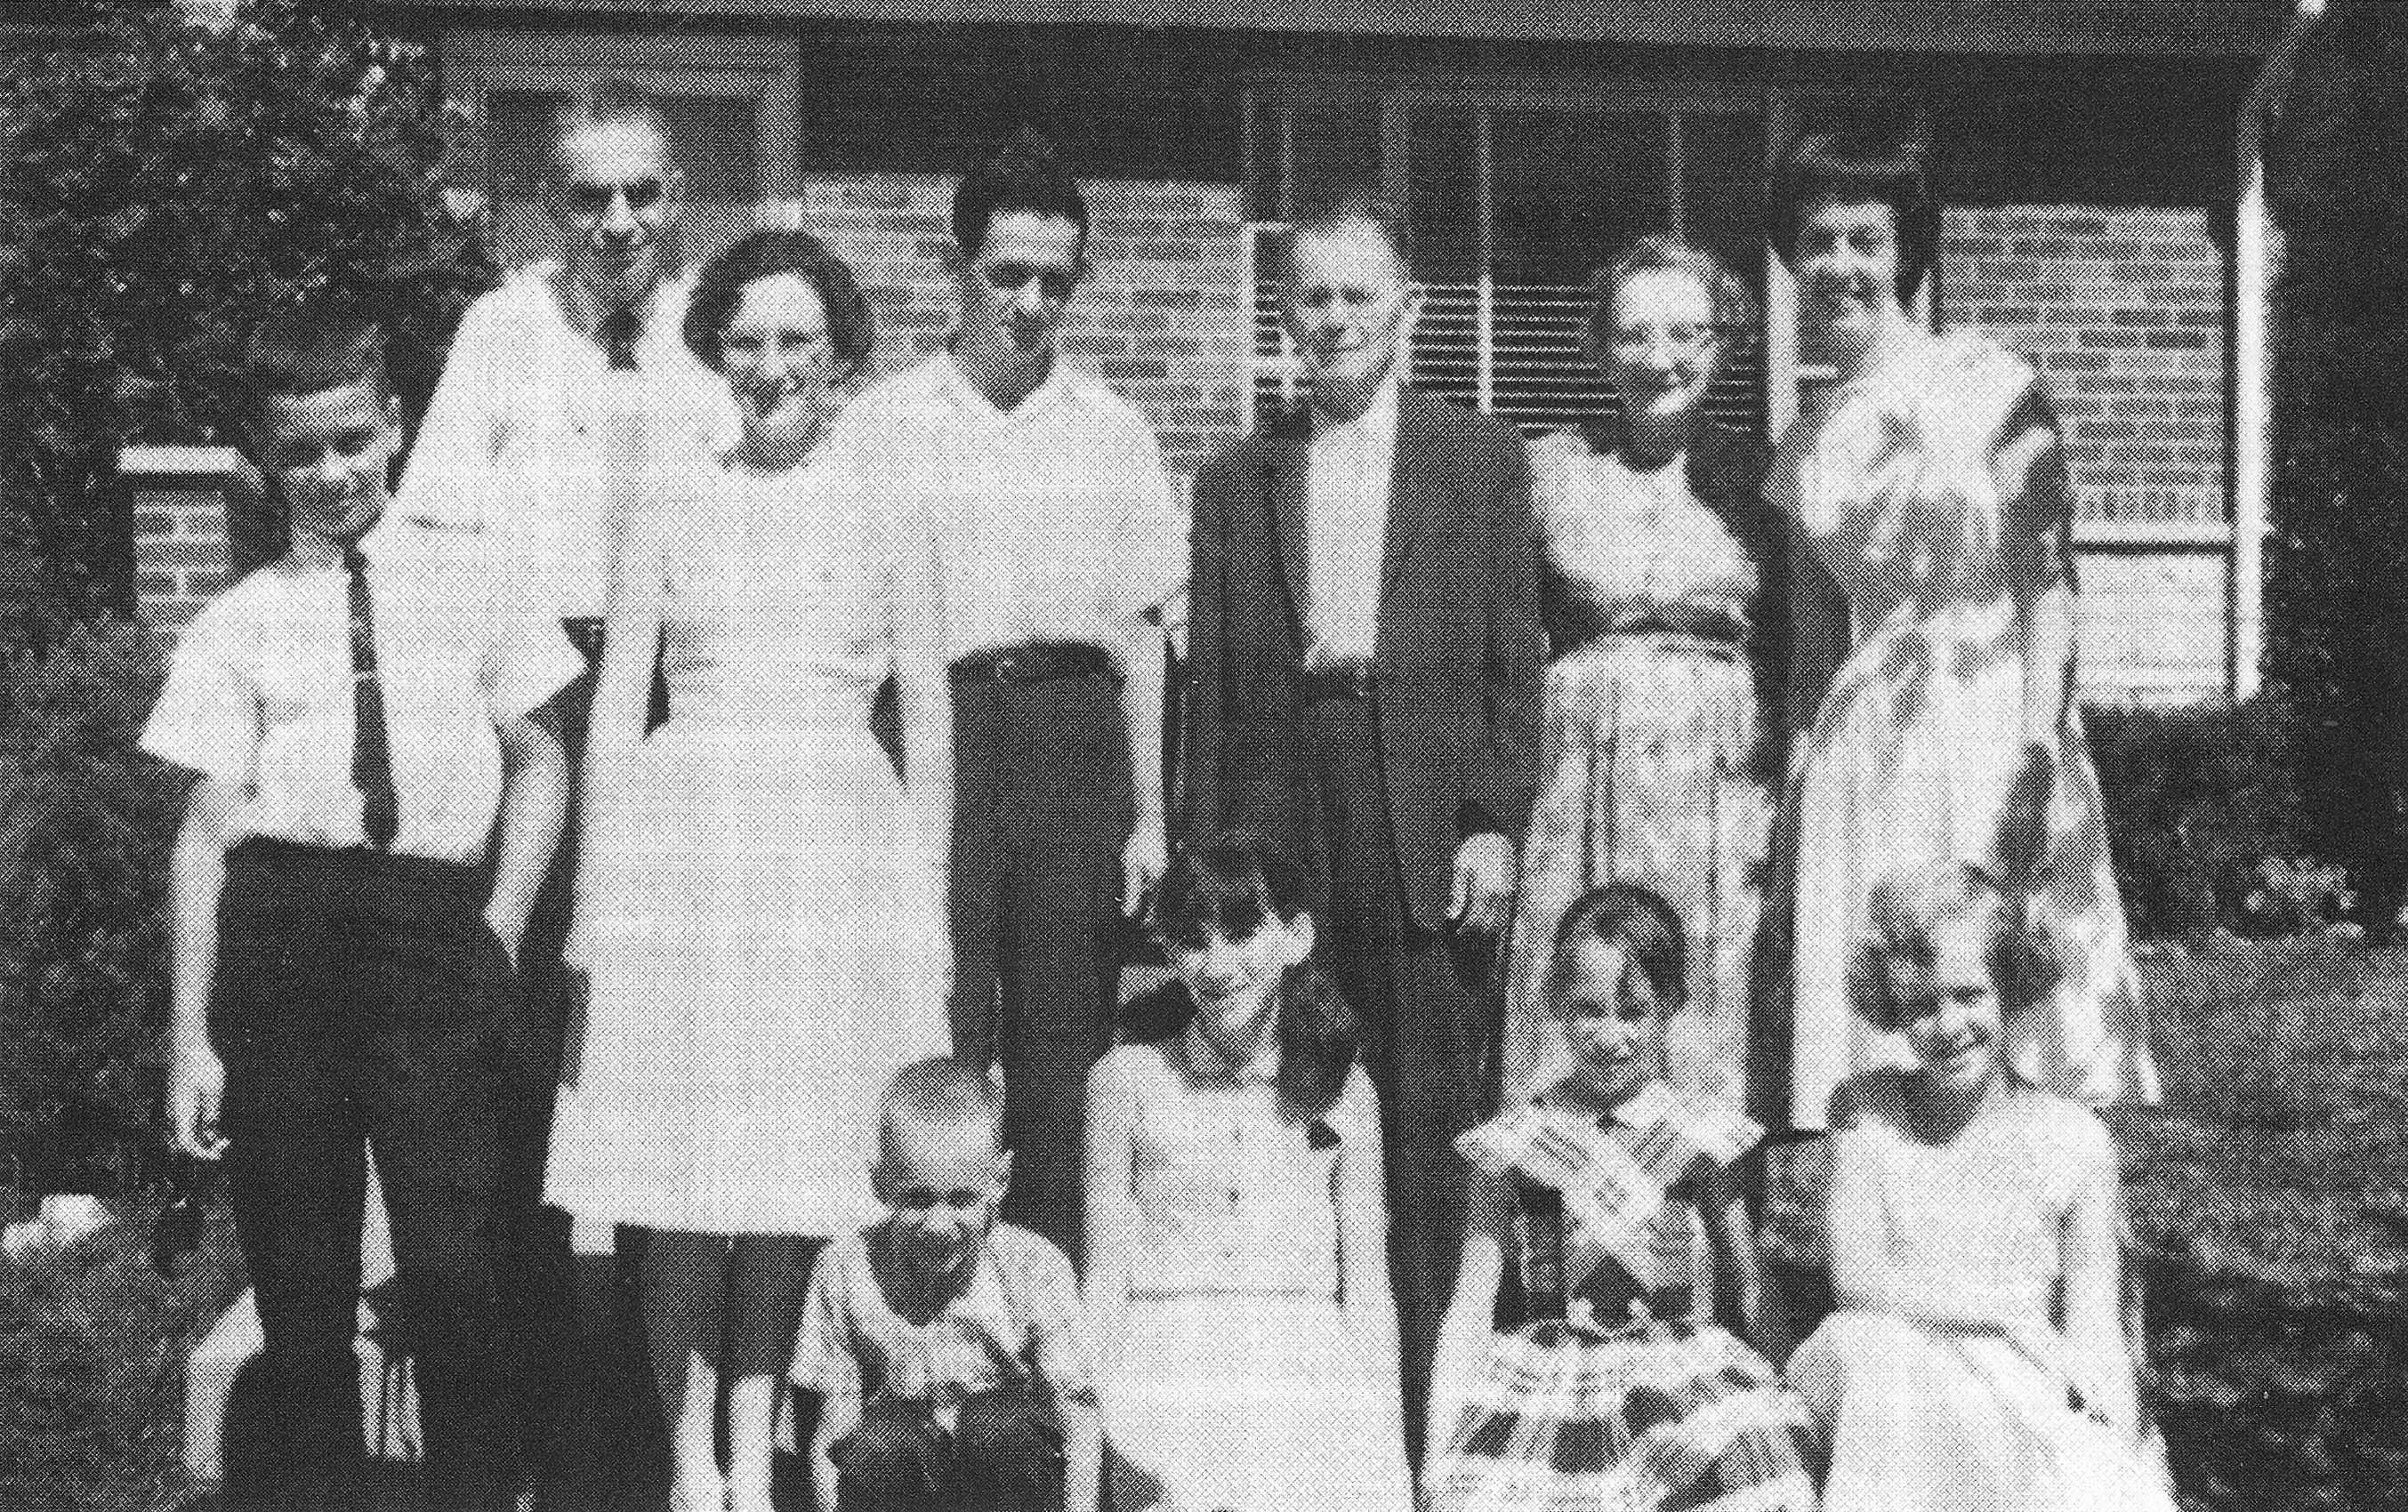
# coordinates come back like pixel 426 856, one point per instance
pixel 1667 581
pixel 759 898
pixel 1930 478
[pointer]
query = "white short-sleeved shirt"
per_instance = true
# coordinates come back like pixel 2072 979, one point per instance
pixel 531 431
pixel 259 692
pixel 1055 520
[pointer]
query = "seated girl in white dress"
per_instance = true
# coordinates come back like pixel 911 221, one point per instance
pixel 1603 1209
pixel 1237 1223
pixel 1977 1360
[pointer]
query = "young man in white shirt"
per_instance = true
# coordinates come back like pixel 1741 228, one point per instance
pixel 1060 542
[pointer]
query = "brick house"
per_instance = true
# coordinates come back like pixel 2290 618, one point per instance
pixel 2102 217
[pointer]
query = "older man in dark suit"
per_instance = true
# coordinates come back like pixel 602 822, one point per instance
pixel 1365 666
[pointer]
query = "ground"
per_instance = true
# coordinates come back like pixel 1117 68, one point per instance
pixel 2269 1212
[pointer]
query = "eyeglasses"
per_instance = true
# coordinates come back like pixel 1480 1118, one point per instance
pixel 1689 340
pixel 592 199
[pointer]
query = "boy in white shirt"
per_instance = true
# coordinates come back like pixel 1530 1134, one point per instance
pixel 356 714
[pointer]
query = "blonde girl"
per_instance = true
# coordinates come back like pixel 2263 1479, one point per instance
pixel 1977 1360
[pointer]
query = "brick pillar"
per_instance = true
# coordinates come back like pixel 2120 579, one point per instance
pixel 181 496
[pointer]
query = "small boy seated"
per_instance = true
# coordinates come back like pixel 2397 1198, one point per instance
pixel 949 1350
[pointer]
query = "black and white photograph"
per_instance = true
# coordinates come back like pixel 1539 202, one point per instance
pixel 1203 756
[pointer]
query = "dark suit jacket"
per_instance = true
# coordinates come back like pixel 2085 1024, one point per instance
pixel 1459 653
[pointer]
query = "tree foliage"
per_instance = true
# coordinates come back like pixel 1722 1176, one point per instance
pixel 164 186
pixel 2338 642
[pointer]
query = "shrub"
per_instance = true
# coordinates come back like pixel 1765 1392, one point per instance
pixel 2337 642
pixel 2206 819
pixel 92 1347
pixel 85 823
pixel 166 185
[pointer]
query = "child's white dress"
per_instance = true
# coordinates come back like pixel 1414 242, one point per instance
pixel 1237 1380
pixel 1931 1419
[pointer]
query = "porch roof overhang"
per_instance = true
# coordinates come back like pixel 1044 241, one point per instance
pixel 2101 28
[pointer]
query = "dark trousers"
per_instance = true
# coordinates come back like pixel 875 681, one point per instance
pixel 360 1005
pixel 1003 1454
pixel 1426 1026
pixel 534 1263
pixel 1042 806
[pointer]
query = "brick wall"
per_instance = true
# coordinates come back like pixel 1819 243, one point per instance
pixel 1163 317
pixel 2123 308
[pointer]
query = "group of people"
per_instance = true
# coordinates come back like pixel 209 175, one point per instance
pixel 710 806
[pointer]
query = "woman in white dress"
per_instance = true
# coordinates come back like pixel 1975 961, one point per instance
pixel 760 899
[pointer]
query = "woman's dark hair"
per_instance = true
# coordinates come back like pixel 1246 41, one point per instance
pixel 1024 174
pixel 1857 167
pixel 718 288
pixel 1232 885
pixel 1636 921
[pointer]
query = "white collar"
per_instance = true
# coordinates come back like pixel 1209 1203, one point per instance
pixel 1651 1103
pixel 954 383
pixel 1378 421
pixel 550 279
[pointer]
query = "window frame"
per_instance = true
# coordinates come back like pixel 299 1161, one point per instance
pixel 766 70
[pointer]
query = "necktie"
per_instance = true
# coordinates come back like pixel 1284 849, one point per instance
pixel 371 756
pixel 618 331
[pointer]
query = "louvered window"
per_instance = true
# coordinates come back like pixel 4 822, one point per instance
pixel 1510 205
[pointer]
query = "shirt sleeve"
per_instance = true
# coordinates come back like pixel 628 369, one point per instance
pixel 1153 544
pixel 445 482
pixel 532 658
pixel 2079 1155
pixel 207 719
pixel 1057 1328
pixel 824 1359
pixel 1357 1108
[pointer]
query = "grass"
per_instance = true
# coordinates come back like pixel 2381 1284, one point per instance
pixel 2269 1204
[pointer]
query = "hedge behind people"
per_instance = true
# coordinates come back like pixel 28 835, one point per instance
pixel 2337 641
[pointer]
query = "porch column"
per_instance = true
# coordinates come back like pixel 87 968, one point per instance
pixel 2255 244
